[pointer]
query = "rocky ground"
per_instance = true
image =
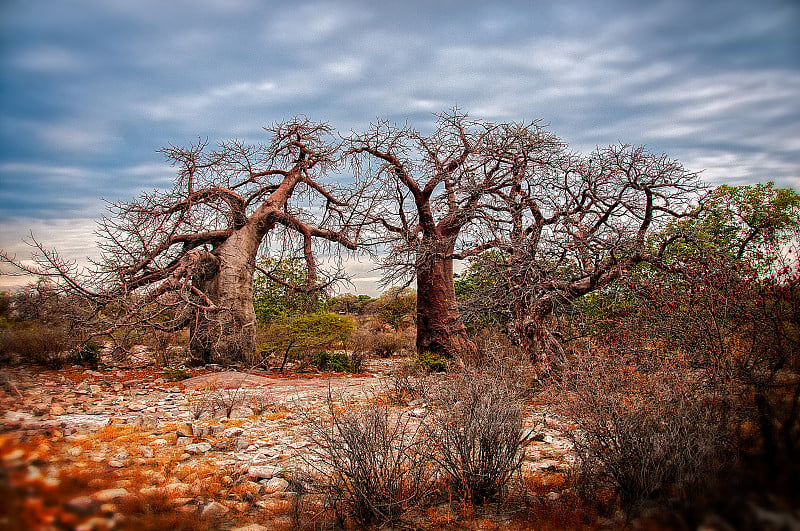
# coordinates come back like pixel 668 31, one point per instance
pixel 126 448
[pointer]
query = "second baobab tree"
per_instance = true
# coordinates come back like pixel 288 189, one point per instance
pixel 435 195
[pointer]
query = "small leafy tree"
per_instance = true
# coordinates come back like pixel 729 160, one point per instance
pixel 396 307
pixel 301 336
pixel 278 289
pixel 349 303
pixel 727 300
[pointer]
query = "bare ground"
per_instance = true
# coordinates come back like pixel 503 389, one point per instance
pixel 129 449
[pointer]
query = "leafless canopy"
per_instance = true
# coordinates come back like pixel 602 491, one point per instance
pixel 572 224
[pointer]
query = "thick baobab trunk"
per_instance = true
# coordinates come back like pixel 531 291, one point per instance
pixel 439 326
pixel 227 333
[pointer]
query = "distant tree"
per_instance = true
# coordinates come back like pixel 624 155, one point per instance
pixel 396 307
pixel 281 287
pixel 187 256
pixel 349 303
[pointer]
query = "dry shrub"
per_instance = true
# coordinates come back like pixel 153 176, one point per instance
pixel 157 511
pixel 410 381
pixel 260 402
pixel 372 338
pixel 35 343
pixel 647 427
pixel 371 464
pixel 478 432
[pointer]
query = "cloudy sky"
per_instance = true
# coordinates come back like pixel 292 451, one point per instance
pixel 90 89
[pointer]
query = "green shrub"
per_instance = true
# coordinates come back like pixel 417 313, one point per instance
pixel 87 355
pixel 301 338
pixel 175 374
pixel 433 362
pixel 336 362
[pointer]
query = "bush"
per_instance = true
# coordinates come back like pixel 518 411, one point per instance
pixel 336 362
pixel 87 354
pixel 36 344
pixel 372 338
pixel 371 463
pixel 646 427
pixel 301 338
pixel 175 374
pixel 478 432
pixel 433 362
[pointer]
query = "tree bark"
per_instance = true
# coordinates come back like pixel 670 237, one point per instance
pixel 439 326
pixel 226 333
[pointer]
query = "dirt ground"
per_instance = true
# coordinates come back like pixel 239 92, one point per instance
pixel 128 448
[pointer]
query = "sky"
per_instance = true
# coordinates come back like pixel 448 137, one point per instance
pixel 91 89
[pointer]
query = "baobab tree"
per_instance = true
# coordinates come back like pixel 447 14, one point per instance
pixel 572 226
pixel 435 195
pixel 186 257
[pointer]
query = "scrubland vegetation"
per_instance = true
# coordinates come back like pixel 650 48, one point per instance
pixel 662 329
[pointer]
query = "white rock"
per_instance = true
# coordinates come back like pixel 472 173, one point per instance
pixel 234 431
pixel 251 527
pixel 275 485
pixel 198 448
pixel 177 490
pixel 111 495
pixel 257 472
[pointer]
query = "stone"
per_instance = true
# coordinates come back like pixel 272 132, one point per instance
pixel 198 448
pixel 177 489
pixel 159 443
pixel 113 463
pixel 214 510
pixel 184 429
pixel 95 390
pixel 111 495
pixel 251 527
pixel 96 524
pixel 147 452
pixel 231 432
pixel 257 472
pixel 241 443
pixel 275 484
pixel 82 505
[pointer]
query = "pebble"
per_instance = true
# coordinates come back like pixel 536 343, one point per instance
pixel 275 484
pixel 234 431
